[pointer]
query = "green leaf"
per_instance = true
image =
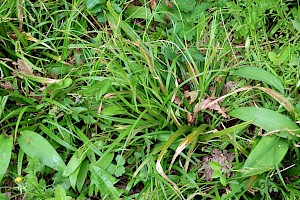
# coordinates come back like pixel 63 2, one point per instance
pixel 269 120
pixel 113 110
pixel 142 13
pixel 119 169
pixel 120 160
pixel 296 24
pixel 105 182
pixel 73 177
pixel 260 75
pixel 265 156
pixel 223 180
pixel 74 163
pixel 186 30
pixel 215 165
pixel 186 5
pixel 5 153
pixel 34 145
pixel 65 83
pixel 216 174
pixel 272 56
pixel 92 4
pixel 60 194
pixel 84 168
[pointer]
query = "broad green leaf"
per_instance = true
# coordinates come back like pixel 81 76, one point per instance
pixel 272 56
pixel 73 177
pixel 91 4
pixel 265 156
pixel 113 110
pixel 215 165
pixel 105 182
pixel 120 169
pixel 34 145
pixel 65 83
pixel 269 120
pixel 256 73
pixel 5 153
pixel 186 30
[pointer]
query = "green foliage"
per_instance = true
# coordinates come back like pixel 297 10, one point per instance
pixel 267 119
pixel 218 172
pixel 146 99
pixel 98 7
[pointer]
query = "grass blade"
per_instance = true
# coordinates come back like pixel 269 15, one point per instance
pixel 188 140
pixel 105 182
pixel 172 138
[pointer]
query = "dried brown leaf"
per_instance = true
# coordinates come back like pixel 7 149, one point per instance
pixel 177 100
pixel 7 85
pixel 153 4
pixel 228 87
pixel 24 68
pixel 190 118
pixel 193 96
pixel 210 104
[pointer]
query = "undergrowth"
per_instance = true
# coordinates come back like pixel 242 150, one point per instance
pixel 178 99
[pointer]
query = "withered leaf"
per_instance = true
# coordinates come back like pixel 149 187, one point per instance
pixel 190 118
pixel 153 4
pixel 209 103
pixel 24 68
pixel 7 85
pixel 228 87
